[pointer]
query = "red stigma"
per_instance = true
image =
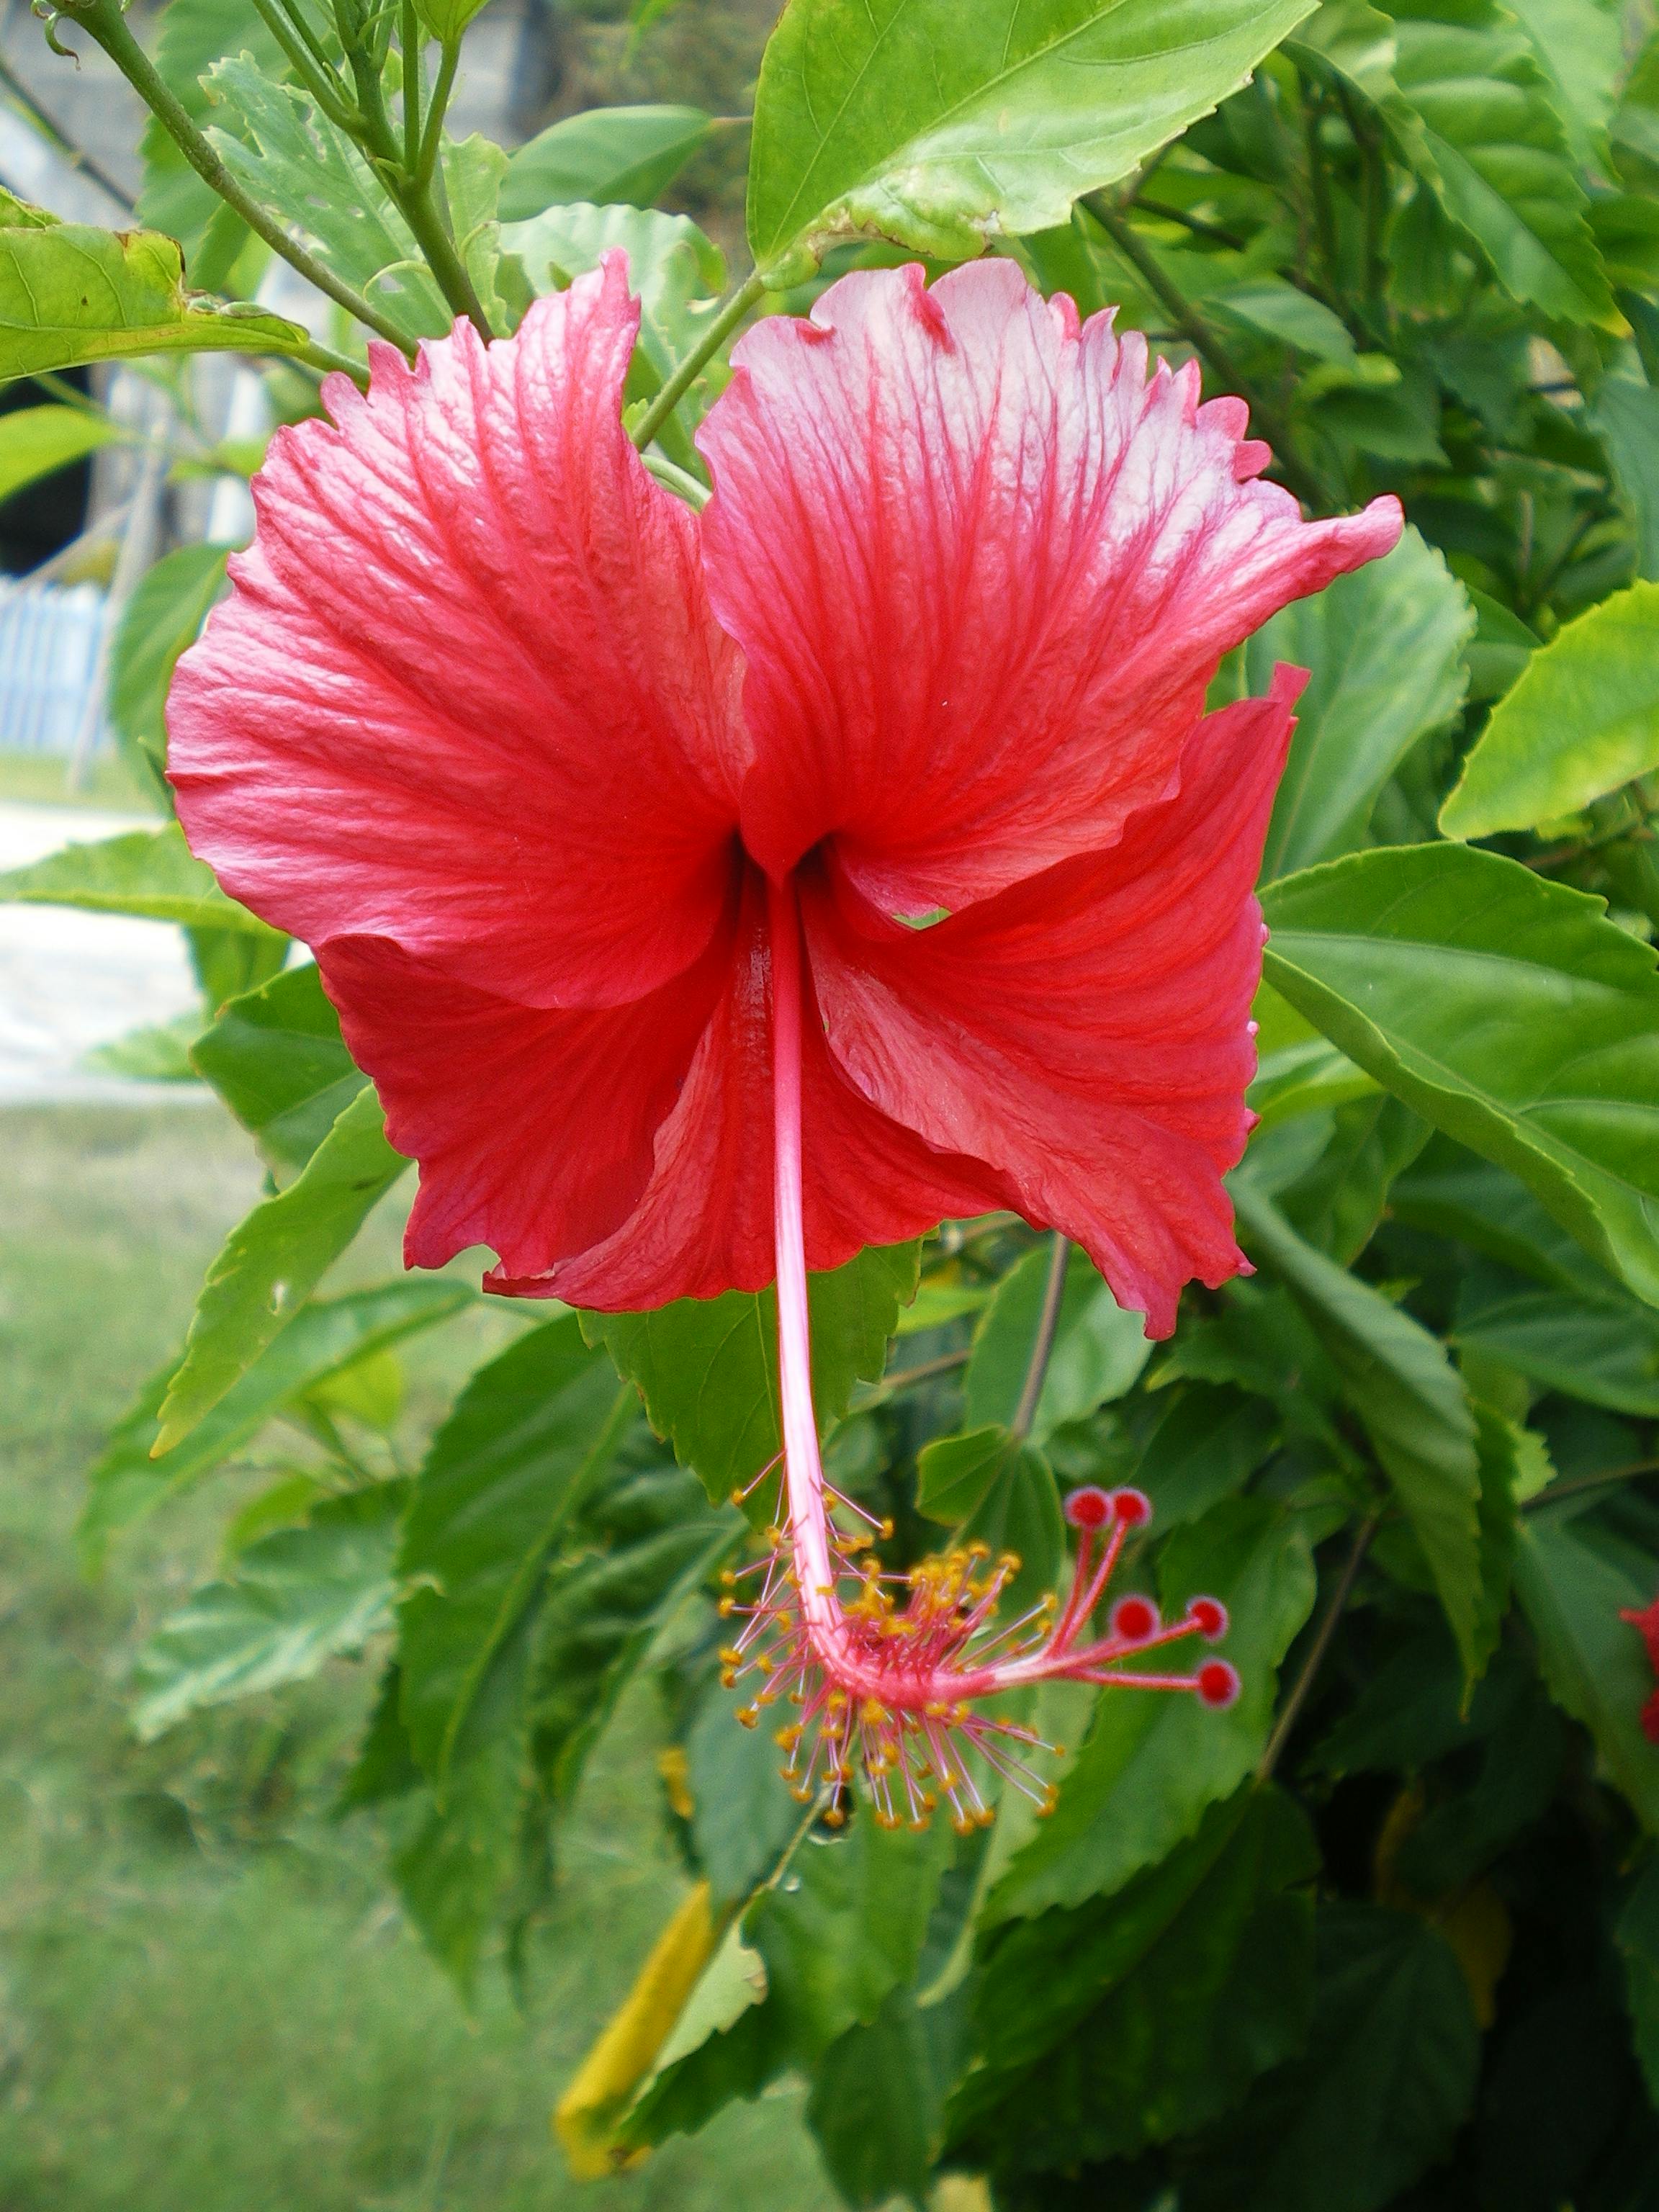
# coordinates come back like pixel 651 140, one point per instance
pixel 1088 1508
pixel 1209 1616
pixel 1134 1618
pixel 1217 1682
pixel 1132 1507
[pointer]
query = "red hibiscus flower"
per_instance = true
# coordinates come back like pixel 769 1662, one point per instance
pixel 861 844
pixel 1646 1624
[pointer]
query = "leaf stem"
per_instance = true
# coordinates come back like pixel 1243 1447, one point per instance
pixel 1555 1491
pixel 906 1378
pixel 318 79
pixel 1205 343
pixel 74 155
pixel 1319 185
pixel 1042 1345
pixel 410 43
pixel 105 24
pixel 1322 1644
pixel 427 167
pixel 685 376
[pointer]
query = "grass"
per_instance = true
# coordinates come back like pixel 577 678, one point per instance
pixel 208 1998
pixel 42 779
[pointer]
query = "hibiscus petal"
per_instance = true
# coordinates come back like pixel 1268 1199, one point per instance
pixel 703 1222
pixel 982 567
pixel 1087 1033
pixel 468 694
pixel 533 1126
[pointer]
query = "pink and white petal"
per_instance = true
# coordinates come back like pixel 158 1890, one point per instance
pixel 1086 1034
pixel 533 1126
pixel 703 1222
pixel 982 567
pixel 468 694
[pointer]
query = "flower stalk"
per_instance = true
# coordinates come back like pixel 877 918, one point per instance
pixel 891 1691
pixel 105 24
pixel 685 376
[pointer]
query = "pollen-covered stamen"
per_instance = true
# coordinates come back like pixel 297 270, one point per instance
pixel 884 1668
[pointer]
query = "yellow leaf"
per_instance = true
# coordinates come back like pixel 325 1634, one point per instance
pixel 586 2116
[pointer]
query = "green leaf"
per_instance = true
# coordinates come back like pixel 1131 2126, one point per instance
pixel 296 163
pixel 878 2102
pixel 163 617
pixel 1582 718
pixel 1385 647
pixel 850 1930
pixel 673 270
pixel 1154 1763
pixel 1500 649
pixel 1388 2074
pixel 1143 2016
pixel 1578 48
pixel 507 1473
pixel 150 872
pixel 129 1479
pixel 159 1053
pixel 504 1478
pixel 707 1368
pixel 37 441
pixel 1603 1349
pixel 1411 1399
pixel 1625 418
pixel 953 1474
pixel 1572 1586
pixel 606 155
pixel 448 19
pixel 194 34
pixel 69 294
pixel 1098 1349
pixel 1504 1009
pixel 277 1058
pixel 1269 308
pixel 1207 1446
pixel 1638 1937
pixel 941 129
pixel 296 1599
pixel 646 1541
pixel 1337 1202
pixel 1498 158
pixel 743 1818
pixel 272 1261
pixel 1019 1512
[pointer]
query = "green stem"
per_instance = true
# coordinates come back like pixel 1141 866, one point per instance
pixel 679 480
pixel 1042 1345
pixel 70 396
pixel 106 26
pixel 1315 1659
pixel 1373 198
pixel 443 257
pixel 300 22
pixel 66 145
pixel 1196 224
pixel 427 167
pixel 685 376
pixel 1557 1490
pixel 323 357
pixel 324 88
pixel 411 51
pixel 1319 186
pixel 1205 343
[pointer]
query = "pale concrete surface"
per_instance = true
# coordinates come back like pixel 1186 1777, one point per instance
pixel 70 980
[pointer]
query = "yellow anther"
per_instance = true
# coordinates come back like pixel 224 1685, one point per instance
pixel 749 1716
